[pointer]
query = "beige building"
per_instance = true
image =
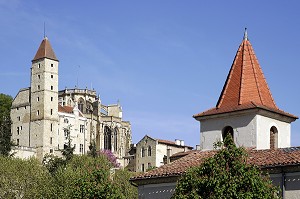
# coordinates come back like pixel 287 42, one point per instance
pixel 150 152
pixel 42 116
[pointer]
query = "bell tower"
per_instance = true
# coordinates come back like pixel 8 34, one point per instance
pixel 246 109
pixel 44 99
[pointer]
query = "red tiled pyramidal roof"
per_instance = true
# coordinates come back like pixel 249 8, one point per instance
pixel 45 51
pixel 245 86
pixel 261 158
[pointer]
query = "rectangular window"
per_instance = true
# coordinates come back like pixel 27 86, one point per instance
pixel 50 140
pixel 149 165
pixel 82 129
pixel 38 87
pixel 81 148
pixel 51 99
pixel 51 87
pixel 37 112
pixel 19 118
pixel 18 130
pixel 39 66
pixel 51 150
pixel 51 127
pixel 18 141
pixel 51 65
pixel 38 99
pixel 51 111
pixel 66 133
pixel 51 76
pixel 21 128
pixel 39 76
pixel 143 168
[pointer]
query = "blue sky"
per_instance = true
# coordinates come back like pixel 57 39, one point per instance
pixel 164 60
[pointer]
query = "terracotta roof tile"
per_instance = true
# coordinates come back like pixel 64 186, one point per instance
pixel 245 86
pixel 261 158
pixel 65 109
pixel 45 51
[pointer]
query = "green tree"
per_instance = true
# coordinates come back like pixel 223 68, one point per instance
pixel 53 163
pixel 5 124
pixel 68 150
pixel 88 177
pixel 24 179
pixel 226 175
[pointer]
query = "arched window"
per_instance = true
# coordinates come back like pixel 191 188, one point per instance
pixel 89 106
pixel 107 138
pixel 80 104
pixel 273 138
pixel 143 152
pixel 116 139
pixel 149 150
pixel 228 130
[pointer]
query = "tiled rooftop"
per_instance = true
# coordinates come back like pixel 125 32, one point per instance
pixel 65 109
pixel 245 86
pixel 45 51
pixel 261 158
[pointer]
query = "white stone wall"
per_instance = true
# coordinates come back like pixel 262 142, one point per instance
pixel 20 117
pixel 250 130
pixel 264 125
pixel 244 127
pixel 72 122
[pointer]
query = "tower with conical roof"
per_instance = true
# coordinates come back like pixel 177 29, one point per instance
pixel 43 98
pixel 246 109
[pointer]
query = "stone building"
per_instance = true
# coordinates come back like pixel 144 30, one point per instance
pixel 43 117
pixel 150 152
pixel 246 111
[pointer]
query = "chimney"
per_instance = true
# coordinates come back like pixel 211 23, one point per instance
pixel 198 148
pixel 169 151
pixel 181 142
pixel 177 142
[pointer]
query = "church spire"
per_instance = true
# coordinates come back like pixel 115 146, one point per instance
pixel 45 51
pixel 245 82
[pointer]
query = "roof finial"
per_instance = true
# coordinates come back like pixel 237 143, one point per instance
pixel 44 29
pixel 245 34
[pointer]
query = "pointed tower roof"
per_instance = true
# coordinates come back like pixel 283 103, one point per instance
pixel 45 51
pixel 245 86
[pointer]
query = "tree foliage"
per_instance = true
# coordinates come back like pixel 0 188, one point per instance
pixel 24 179
pixel 226 175
pixel 88 177
pixel 81 177
pixel 68 150
pixel 5 124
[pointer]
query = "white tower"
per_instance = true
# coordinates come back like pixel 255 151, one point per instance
pixel 246 109
pixel 44 99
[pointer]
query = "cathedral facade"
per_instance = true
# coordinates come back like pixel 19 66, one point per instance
pixel 44 119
